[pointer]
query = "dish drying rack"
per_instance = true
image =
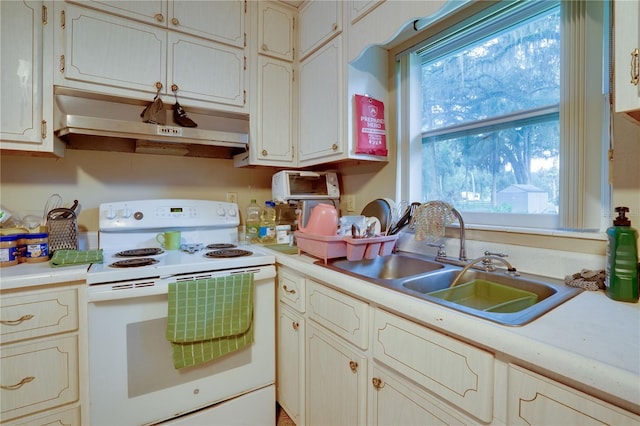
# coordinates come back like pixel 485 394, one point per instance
pixel 335 246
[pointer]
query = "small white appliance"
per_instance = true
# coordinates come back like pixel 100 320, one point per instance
pixel 287 185
pixel 132 380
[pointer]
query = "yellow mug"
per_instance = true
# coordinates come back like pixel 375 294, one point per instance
pixel 169 240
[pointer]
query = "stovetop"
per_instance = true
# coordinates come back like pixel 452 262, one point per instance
pixel 205 226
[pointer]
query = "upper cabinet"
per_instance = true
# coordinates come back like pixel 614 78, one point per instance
pixel 26 121
pixel 320 21
pixel 275 30
pixel 627 56
pixel 117 56
pixel 221 21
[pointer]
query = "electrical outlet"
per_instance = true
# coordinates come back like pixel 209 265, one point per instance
pixel 351 203
pixel 232 197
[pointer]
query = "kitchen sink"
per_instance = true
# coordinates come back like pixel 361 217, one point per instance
pixel 494 296
pixel 386 268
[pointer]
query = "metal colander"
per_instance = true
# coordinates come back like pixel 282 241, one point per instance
pixel 430 220
pixel 62 226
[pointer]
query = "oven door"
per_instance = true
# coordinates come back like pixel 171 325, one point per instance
pixel 131 374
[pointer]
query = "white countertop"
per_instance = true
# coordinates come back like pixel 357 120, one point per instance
pixel 590 342
pixel 26 275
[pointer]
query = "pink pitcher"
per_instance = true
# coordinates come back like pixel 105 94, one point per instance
pixel 323 220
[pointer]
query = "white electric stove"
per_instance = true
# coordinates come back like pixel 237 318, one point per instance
pixel 132 379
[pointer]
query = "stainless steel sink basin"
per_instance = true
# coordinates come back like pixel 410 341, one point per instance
pixel 384 269
pixel 419 277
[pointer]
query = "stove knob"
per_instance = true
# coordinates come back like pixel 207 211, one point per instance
pixel 126 213
pixel 110 214
pixel 220 211
pixel 233 212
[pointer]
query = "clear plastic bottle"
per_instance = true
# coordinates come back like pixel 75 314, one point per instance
pixel 268 223
pixel 253 222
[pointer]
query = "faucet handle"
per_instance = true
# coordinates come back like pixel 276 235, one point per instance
pixel 490 253
pixel 441 251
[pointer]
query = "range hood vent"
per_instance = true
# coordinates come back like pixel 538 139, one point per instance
pixel 96 122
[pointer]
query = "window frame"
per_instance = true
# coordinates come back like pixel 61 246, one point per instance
pixel 585 197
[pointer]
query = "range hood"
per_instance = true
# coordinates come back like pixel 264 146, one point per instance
pixel 97 122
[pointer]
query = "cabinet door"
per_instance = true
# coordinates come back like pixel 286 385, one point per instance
pixel 38 376
pixel 537 400
pixel 627 55
pixel 290 378
pixel 273 141
pixel 38 314
pixel 396 401
pixel 336 385
pixel 111 51
pixel 21 30
pixel 457 372
pixel 205 70
pixel 221 21
pixel 320 20
pixel 275 30
pixel 291 288
pixel 149 11
pixel 321 105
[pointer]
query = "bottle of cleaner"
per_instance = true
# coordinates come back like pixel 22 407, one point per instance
pixel 253 222
pixel 621 282
pixel 268 223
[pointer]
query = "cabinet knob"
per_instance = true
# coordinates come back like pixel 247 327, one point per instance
pixel 265 48
pixel 295 325
pixel 377 383
pixel 265 153
pixel 159 17
pixel 635 66
pixel 158 86
pixel 334 147
pixel 175 21
pixel 334 27
pixel 284 287
pixel 353 366
pixel 174 88
pixel 17 321
pixel 19 384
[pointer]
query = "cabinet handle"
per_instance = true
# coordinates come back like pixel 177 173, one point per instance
pixel 175 21
pixel 287 290
pixel 159 17
pixel 295 325
pixel 635 66
pixel 43 129
pixel 353 366
pixel 377 383
pixel 17 321
pixel 62 64
pixel 45 15
pixel 334 27
pixel 19 384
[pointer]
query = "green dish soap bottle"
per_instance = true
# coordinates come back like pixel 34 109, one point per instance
pixel 621 282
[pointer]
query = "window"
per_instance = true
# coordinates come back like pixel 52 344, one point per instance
pixel 497 121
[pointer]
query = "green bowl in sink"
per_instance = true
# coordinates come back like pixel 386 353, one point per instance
pixel 487 296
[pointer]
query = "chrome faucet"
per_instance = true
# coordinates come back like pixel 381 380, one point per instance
pixel 463 252
pixel 511 271
pixel 462 255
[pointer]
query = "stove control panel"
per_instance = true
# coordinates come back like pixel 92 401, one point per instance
pixel 167 213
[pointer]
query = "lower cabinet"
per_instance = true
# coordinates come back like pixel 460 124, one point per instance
pixel 344 361
pixel 397 401
pixel 336 376
pixel 537 400
pixel 290 362
pixel 42 356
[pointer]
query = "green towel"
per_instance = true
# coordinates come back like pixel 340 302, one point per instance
pixel 209 318
pixel 75 257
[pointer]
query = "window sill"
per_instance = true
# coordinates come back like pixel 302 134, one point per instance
pixel 572 241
